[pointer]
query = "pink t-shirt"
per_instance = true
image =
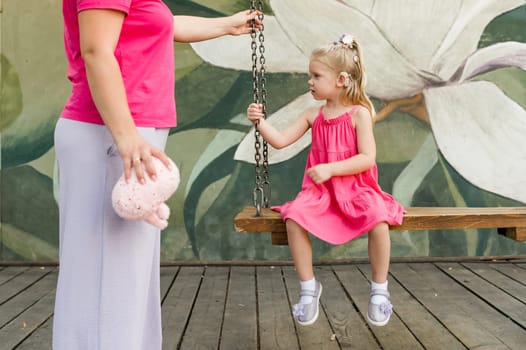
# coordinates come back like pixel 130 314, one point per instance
pixel 145 53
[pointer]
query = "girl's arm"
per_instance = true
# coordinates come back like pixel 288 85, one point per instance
pixel 192 29
pixel 99 34
pixel 279 139
pixel 365 159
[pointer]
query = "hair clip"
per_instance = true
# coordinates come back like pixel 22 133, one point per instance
pixel 347 77
pixel 346 39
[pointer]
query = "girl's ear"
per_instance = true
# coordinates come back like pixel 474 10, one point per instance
pixel 343 79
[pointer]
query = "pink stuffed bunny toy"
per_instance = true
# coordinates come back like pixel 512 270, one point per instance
pixel 137 201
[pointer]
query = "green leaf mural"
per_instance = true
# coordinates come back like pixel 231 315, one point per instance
pixel 211 104
pixel 38 66
pixel 29 214
pixel 11 94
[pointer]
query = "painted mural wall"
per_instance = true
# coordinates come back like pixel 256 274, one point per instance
pixel 447 78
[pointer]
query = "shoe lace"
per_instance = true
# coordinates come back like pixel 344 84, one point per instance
pixel 297 310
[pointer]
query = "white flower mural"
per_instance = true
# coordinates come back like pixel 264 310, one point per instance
pixel 432 75
pixel 421 58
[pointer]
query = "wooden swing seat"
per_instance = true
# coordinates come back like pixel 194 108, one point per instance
pixel 509 221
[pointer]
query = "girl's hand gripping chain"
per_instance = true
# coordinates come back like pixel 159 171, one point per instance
pixel 255 112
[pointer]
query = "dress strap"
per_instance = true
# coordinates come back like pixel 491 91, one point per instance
pixel 354 108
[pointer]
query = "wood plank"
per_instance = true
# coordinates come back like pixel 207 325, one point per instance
pixel 279 238
pixel 276 326
pixel 167 277
pixel 435 218
pixel 416 218
pixel 23 323
pixel 240 317
pixel 499 280
pixel 269 221
pixel 393 336
pixel 425 327
pixel 9 272
pixel 350 329
pixel 17 330
pixel 500 300
pixel 318 335
pixel 21 282
pixel 27 297
pixel 178 303
pixel 513 271
pixel 515 233
pixel 40 339
pixel 204 326
pixel 470 319
pixel 465 307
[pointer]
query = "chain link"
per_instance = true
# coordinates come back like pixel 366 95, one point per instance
pixel 262 191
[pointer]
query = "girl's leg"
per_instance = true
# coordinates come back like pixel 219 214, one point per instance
pixel 301 250
pixel 379 246
pixel 380 308
pixel 307 309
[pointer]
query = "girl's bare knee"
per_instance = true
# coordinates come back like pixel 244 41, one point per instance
pixel 293 226
pixel 294 229
pixel 380 229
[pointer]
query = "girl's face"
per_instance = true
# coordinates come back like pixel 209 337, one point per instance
pixel 323 81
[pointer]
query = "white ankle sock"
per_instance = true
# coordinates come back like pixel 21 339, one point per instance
pixel 378 299
pixel 307 285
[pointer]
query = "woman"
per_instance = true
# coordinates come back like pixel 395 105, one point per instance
pixel 121 65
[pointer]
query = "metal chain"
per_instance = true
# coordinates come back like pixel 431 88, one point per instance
pixel 262 71
pixel 261 194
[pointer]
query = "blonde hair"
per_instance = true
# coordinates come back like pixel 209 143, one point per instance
pixel 345 57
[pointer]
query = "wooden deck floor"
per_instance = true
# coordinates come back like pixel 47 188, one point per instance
pixel 438 305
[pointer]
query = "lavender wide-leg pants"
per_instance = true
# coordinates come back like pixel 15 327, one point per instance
pixel 108 292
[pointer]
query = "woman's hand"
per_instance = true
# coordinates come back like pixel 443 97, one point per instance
pixel 255 112
pixel 137 154
pixel 320 173
pixel 241 22
pixel 191 29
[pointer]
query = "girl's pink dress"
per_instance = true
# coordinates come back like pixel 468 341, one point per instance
pixel 344 207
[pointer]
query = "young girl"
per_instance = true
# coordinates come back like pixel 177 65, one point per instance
pixel 340 198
